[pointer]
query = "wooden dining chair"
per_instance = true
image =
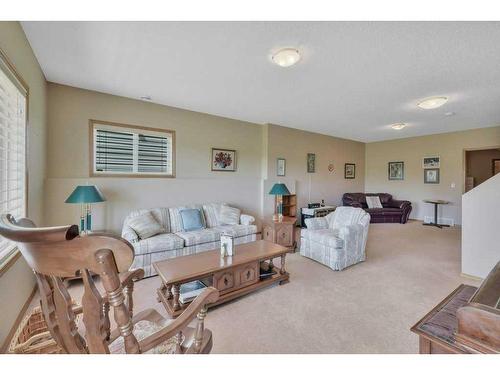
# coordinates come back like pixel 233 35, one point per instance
pixel 56 253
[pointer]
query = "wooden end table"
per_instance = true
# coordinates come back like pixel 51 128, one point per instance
pixel 232 276
pixel 280 232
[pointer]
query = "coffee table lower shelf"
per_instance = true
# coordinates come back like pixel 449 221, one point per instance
pixel 166 298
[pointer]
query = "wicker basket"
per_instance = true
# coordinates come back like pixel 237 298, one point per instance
pixel 33 336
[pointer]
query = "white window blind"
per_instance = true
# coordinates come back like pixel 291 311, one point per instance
pixel 125 149
pixel 12 150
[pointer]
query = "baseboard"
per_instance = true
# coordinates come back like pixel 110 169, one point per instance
pixel 475 278
pixel 22 313
pixel 441 220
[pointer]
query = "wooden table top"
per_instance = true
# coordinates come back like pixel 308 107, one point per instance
pixel 285 220
pixel 436 201
pixel 199 265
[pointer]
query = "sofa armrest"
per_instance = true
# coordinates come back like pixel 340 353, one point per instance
pixel 247 219
pixel 315 223
pixel 349 230
pixel 398 204
pixel 129 234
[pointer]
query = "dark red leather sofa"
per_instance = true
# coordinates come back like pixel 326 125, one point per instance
pixel 393 211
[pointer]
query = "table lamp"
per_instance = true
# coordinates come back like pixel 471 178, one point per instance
pixel 86 195
pixel 279 190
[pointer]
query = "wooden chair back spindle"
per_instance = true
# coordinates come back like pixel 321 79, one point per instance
pixel 58 252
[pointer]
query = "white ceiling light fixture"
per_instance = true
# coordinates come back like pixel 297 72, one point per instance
pixel 433 102
pixel 146 98
pixel 286 57
pixel 398 126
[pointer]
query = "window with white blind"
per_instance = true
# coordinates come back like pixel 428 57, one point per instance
pixel 128 150
pixel 13 101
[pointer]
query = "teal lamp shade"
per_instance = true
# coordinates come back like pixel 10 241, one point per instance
pixel 85 195
pixel 279 189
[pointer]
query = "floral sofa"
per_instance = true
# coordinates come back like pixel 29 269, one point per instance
pixel 174 242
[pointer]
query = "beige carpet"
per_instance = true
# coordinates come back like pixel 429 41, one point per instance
pixel 367 308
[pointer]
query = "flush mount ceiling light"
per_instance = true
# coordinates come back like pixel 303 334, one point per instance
pixel 398 126
pixel 434 102
pixel 146 98
pixel 286 57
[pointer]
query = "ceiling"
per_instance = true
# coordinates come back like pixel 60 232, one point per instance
pixel 353 81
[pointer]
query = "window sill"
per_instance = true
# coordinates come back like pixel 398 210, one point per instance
pixel 9 261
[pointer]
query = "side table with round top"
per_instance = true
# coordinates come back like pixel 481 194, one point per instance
pixel 436 203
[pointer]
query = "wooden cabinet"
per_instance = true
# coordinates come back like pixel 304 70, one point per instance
pixel 280 232
pixel 224 280
pixel 289 205
pixel 229 280
pixel 247 274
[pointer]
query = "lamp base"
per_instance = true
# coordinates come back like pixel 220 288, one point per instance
pixel 278 217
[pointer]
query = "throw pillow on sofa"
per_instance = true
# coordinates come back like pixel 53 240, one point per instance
pixel 229 215
pixel 373 202
pixel 145 225
pixel 191 219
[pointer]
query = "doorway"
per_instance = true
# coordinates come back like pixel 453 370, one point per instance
pixel 480 165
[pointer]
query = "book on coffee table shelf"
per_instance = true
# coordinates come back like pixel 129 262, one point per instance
pixel 266 271
pixel 190 291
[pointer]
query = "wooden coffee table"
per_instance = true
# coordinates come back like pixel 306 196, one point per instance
pixel 232 276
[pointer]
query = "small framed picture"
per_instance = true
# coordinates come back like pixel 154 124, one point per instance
pixel 311 163
pixel 349 170
pixel 431 176
pixel 396 170
pixel 223 160
pixel 431 162
pixel 280 167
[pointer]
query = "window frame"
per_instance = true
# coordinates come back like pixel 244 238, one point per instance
pixel 93 173
pixel 8 259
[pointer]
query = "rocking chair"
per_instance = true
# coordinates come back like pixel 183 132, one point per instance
pixel 56 253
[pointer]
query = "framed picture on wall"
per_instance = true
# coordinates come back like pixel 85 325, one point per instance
pixel 431 176
pixel 223 160
pixel 349 170
pixel 280 167
pixel 396 170
pixel 311 163
pixel 431 162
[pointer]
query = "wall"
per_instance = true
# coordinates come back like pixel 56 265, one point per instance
pixel 17 282
pixel 480 234
pixel 450 147
pixel 479 164
pixel 293 145
pixel 196 133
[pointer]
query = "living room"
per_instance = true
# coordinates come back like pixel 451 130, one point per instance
pixel 277 178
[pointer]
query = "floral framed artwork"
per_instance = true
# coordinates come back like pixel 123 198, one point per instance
pixel 280 167
pixel 431 176
pixel 223 160
pixel 396 170
pixel 311 163
pixel 349 171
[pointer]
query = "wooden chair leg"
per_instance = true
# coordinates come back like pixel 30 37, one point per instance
pixel 200 328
